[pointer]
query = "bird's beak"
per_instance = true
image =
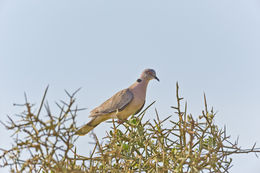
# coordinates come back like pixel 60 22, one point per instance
pixel 155 77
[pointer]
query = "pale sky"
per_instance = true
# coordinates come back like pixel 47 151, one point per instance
pixel 103 46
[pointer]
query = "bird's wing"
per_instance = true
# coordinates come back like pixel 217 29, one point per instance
pixel 116 103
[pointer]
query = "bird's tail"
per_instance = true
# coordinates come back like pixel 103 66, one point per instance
pixel 87 127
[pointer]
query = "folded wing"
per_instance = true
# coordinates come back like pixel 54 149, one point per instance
pixel 116 103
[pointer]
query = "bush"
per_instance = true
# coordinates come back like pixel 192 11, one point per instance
pixel 46 143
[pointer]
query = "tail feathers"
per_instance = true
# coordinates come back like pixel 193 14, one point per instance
pixel 87 128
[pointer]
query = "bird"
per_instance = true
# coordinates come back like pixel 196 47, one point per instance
pixel 120 106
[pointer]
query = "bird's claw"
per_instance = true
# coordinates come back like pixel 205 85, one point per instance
pixel 120 121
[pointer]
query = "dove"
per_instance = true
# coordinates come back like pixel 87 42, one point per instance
pixel 120 106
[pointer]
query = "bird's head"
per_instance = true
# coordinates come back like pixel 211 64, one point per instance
pixel 149 74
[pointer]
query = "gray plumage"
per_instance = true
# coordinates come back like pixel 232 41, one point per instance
pixel 116 103
pixel 121 105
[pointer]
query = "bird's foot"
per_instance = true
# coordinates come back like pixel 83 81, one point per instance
pixel 120 121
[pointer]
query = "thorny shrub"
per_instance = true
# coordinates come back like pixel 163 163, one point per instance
pixel 44 142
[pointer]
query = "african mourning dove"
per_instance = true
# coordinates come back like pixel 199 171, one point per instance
pixel 121 105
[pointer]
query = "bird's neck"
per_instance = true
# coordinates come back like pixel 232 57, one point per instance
pixel 140 86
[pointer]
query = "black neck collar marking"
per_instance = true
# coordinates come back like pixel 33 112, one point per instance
pixel 139 80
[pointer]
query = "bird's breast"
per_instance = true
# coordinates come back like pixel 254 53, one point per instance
pixel 139 94
pixel 131 109
pixel 135 105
